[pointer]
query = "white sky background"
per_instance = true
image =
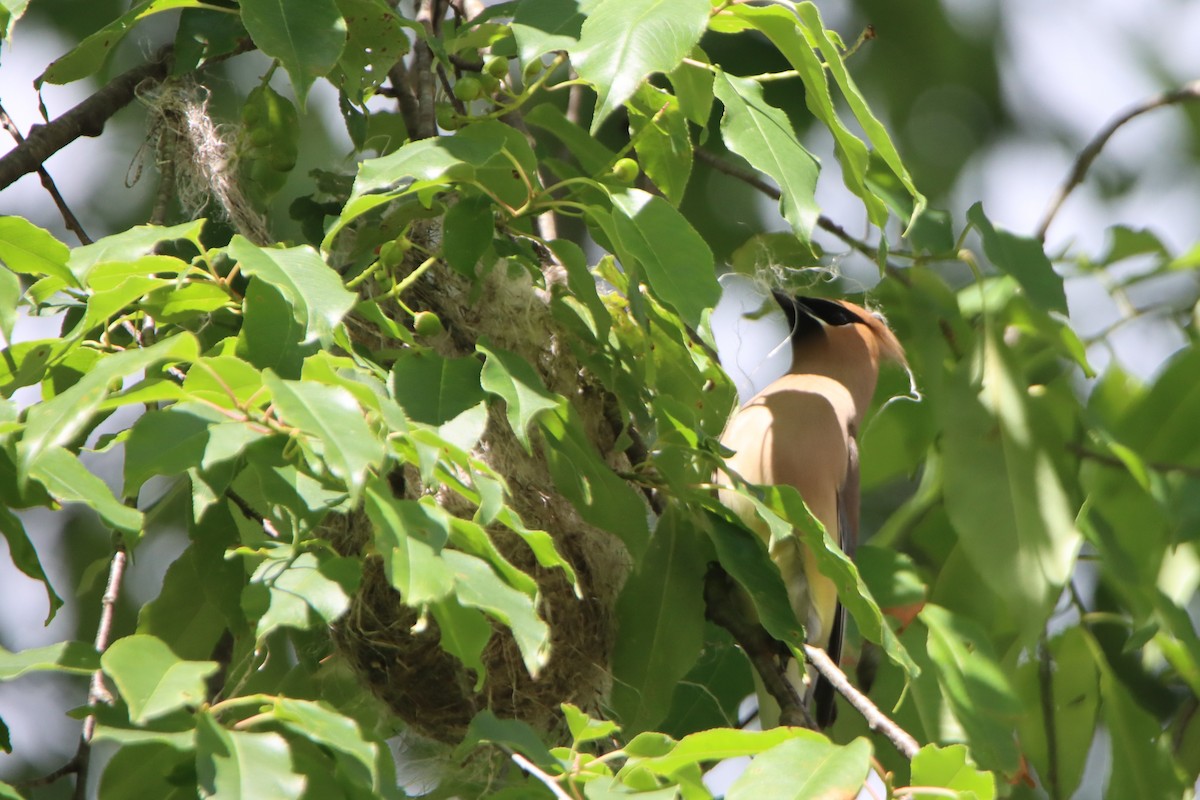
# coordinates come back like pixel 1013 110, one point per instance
pixel 1070 65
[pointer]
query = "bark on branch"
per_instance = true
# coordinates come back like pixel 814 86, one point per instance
pixel 86 119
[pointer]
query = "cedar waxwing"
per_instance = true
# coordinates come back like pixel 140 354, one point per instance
pixel 802 431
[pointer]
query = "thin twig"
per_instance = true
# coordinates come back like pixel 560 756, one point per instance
pixel 98 693
pixel 86 119
pixel 760 648
pixel 69 218
pixel 876 719
pixel 1046 680
pixel 823 222
pixel 1083 162
pixel 537 772
pixel 1113 461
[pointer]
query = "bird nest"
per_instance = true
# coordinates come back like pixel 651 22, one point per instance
pixel 396 651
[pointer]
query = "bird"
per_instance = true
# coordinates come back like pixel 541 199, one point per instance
pixel 802 431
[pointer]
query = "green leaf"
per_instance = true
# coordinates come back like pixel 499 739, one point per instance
pixel 600 497
pixel 271 336
pixel 477 586
pixel 876 133
pixel 62 418
pixel 515 381
pixel 1024 259
pixel 837 566
pixel 717 744
pixel 951 767
pixel 27 249
pixel 375 42
pixel 435 390
pixel 542 26
pixel 763 135
pixel 678 262
pixel 10 12
pixel 1014 519
pixel 25 558
pixel 660 614
pixel 664 143
pixel 147 769
pixel 781 27
pixel 591 154
pixel 585 729
pixel 321 723
pixel 69 481
pixel 693 86
pixel 976 686
pixel 177 304
pixel 468 233
pixel 295 586
pixel 163 443
pixel 308 38
pixel 131 246
pixel 89 55
pixel 410 537
pixel 803 768
pixel 464 632
pixel 623 41
pixel 10 298
pixel 24 364
pixel 237 764
pixel 511 733
pixel 153 680
pixel 225 381
pixel 333 419
pixel 71 658
pixel 744 556
pixel 319 300
pixel 199 597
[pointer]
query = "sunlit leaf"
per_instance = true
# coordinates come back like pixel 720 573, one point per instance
pixel 307 38
pixel 151 679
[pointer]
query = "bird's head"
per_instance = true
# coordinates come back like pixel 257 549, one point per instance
pixel 841 340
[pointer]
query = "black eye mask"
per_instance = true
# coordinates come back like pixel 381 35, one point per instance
pixel 805 314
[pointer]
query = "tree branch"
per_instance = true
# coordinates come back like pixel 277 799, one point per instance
pixel 98 693
pixel 544 777
pixel 86 119
pixel 876 719
pixel 763 651
pixel 69 218
pixel 1083 162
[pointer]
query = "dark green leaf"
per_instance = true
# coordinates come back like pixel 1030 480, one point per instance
pixel 541 26
pixel 25 558
pixel 434 390
pixel 270 336
pixel 664 143
pixel 1024 259
pixel 148 769
pixel 511 733
pixel 693 86
pixel 89 55
pixel 464 632
pixel 623 41
pixel 468 233
pixel 24 364
pixel 763 135
pixel 307 38
pixel 375 42
pixel 321 723
pixel 677 261
pixel 660 615
pixel 601 498
pixel 592 155
pixel 163 443
pixel 410 537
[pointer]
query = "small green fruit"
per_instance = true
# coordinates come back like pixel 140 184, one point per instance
pixel 625 171
pixel 497 67
pixel 427 323
pixel 468 88
pixel 447 120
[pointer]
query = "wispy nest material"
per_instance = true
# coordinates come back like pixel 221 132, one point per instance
pixel 425 686
pixel 198 152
